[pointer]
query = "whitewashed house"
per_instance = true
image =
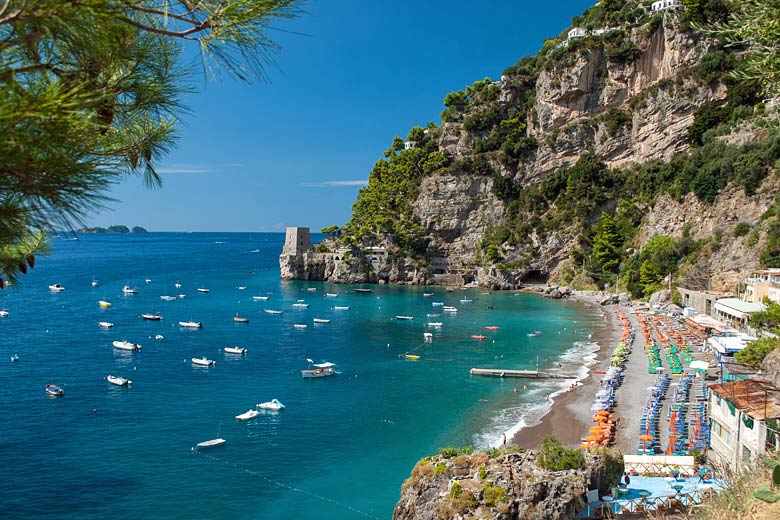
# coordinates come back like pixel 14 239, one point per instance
pixel 660 5
pixel 577 32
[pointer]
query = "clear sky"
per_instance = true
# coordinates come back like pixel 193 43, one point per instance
pixel 295 151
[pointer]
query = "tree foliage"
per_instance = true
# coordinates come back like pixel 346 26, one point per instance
pixel 755 352
pixel 91 93
pixel 553 456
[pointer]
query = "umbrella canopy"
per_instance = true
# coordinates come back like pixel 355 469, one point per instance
pixel 592 438
pixel 699 365
pixel 645 437
pixel 595 429
pixel 602 412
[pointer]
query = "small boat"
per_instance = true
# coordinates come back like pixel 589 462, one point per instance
pixel 249 414
pixel 363 291
pixel 158 337
pixel 412 357
pixel 312 289
pixel 118 381
pixel 181 296
pixel 531 335
pixel 177 285
pixel 448 308
pixel 428 336
pixel 260 298
pixel 478 336
pixel 320 370
pixel 300 305
pixel 94 283
pixel 190 324
pixel 234 350
pixel 213 443
pixel 434 315
pixel 3 313
pixel 241 287
pixel 105 324
pixel 341 308
pixel 55 390
pixel 427 294
pixel 491 327
pixel 203 362
pixel 300 325
pixel 331 295
pixel 404 317
pixel 273 404
pixel 14 358
pixel 104 303
pixel 273 311
pixel 434 324
pixel 537 332
pixel 129 290
pixel 240 319
pixel 126 345
pixel 321 320
pixel 437 304
pixel 202 289
pixel 151 317
pixel 168 298
pixel 466 301
pixel 148 280
pixel 55 287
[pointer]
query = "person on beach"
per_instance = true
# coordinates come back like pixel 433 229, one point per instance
pixel 503 439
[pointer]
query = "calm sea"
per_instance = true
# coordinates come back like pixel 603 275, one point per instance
pixel 341 448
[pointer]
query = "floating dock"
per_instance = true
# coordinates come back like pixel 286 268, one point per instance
pixel 528 374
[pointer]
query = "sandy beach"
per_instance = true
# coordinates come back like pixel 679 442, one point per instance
pixel 570 416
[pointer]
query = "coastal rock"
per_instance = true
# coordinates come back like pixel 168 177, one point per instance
pixel 612 299
pixel 662 296
pixel 510 486
pixel 770 367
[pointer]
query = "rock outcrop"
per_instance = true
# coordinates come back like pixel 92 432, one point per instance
pixel 509 486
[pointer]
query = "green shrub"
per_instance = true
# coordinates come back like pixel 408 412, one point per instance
pixel 493 495
pixel 451 451
pixel 752 240
pixel 741 229
pixel 553 456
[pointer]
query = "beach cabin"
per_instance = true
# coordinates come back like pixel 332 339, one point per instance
pixel 661 5
pixel 739 411
pixel 577 32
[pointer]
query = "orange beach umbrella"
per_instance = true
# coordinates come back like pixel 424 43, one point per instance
pixel 593 438
pixel 645 437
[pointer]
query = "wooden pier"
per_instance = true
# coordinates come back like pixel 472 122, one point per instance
pixel 528 374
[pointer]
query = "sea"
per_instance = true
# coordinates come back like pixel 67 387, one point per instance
pixel 342 446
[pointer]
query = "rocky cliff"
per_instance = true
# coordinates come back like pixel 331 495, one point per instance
pixel 507 486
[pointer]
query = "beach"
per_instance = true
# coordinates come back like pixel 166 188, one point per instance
pixel 570 415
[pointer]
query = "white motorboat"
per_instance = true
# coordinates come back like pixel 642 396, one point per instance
pixel 14 358
pixel 181 296
pixel 240 319
pixel 177 285
pixel 3 313
pixel 213 443
pixel 105 324
pixel 249 414
pixel 320 369
pixel 190 324
pixel 202 289
pixel 273 311
pixel 300 325
pixel 273 404
pixel 129 290
pixel 466 301
pixel 158 337
pixel 447 308
pixel 104 303
pixel 321 320
pixel 126 345
pixel 203 362
pixel 118 381
pixel 151 317
pixel 428 336
pixel 435 324
pixel 234 350
pixel 168 298
pixel 260 298
pixel 55 287
pixel 148 280
pixel 311 289
pixel 241 287
pixel 331 295
pixel 341 308
pixel 94 283
pixel 404 317
pixel 300 305
pixel 437 304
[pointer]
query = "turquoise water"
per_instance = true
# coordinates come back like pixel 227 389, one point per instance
pixel 342 447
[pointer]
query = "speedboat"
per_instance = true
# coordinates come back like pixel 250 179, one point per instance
pixel 241 287
pixel 158 337
pixel 118 381
pixel 300 305
pixel 190 324
pixel 363 291
pixel 55 390
pixel 411 357
pixel 94 283
pixel 331 295
pixel 104 303
pixel 177 285
pixel 234 350
pixel 181 296
pixel 55 287
pixel 272 311
pixel 129 290
pixel 260 298
pixel 105 324
pixel 300 325
pixel 249 414
pixel 466 301
pixel 240 319
pixel 213 443
pixel 478 336
pixel 427 294
pixel 151 317
pixel 168 298
pixel 203 362
pixel 447 308
pixel 321 320
pixel 437 304
pixel 434 324
pixel 3 313
pixel 273 404
pixel 404 317
pixel 320 370
pixel 202 289
pixel 311 289
pixel 148 280
pixel 428 336
pixel 126 345
pixel 341 308
pixel 491 327
pixel 14 358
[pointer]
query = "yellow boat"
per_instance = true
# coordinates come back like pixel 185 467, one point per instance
pixel 104 303
pixel 411 356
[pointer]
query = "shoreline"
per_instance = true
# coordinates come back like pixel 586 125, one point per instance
pixel 569 417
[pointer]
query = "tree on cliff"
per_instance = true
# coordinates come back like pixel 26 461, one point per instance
pixel 91 94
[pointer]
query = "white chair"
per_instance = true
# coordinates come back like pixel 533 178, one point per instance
pixel 592 496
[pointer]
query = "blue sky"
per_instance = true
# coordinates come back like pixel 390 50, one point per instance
pixel 295 151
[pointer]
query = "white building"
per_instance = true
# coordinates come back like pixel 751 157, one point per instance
pixel 728 343
pixel 764 283
pixel 738 414
pixel 660 5
pixel 736 312
pixel 410 144
pixel 577 32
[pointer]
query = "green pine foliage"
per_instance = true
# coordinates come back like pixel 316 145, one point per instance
pixel 756 351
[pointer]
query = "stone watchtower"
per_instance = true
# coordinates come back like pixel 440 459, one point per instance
pixel 297 241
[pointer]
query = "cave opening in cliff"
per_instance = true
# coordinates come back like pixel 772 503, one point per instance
pixel 535 276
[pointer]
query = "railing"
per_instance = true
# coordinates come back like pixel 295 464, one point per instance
pixel 672 501
pixel 659 465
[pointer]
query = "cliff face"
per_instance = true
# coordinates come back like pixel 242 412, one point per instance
pixel 510 486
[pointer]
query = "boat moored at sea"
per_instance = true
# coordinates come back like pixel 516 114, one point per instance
pixel 55 287
pixel 331 295
pixel 105 324
pixel 235 350
pixel 249 414
pixel 129 290
pixel 126 345
pixel 213 443
pixel 404 317
pixel 151 317
pixel 94 283
pixel 411 357
pixel 363 291
pixel 54 390
pixel 190 324
pixel 273 404
pixel 300 326
pixel 321 320
pixel 341 308
pixel 203 362
pixel 166 298
pixel 3 313
pixel 324 369
pixel 158 337
pixel 118 381
pixel 437 304
pixel 260 298
pixel 104 304
pixel 300 305
pixel 273 311
pixel 240 319
pixel 14 358
pixel 202 290
pixel 448 308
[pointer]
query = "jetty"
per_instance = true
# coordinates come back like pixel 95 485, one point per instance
pixel 528 374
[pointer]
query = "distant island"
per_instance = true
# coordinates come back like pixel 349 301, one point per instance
pixel 112 229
